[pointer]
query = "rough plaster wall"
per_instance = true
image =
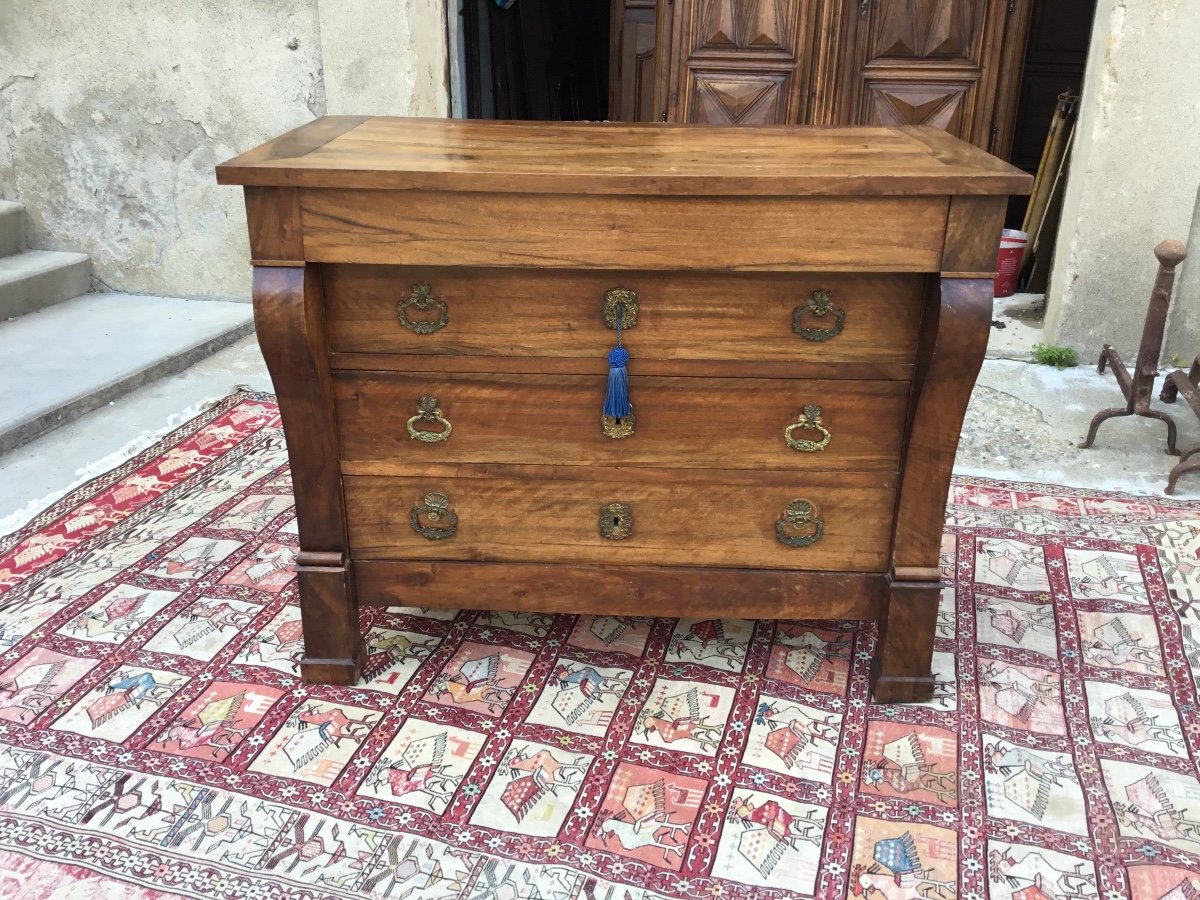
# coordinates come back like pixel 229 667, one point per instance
pixel 1135 171
pixel 1183 323
pixel 385 57
pixel 113 114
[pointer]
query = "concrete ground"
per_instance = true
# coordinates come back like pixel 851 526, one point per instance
pixel 1023 424
pixel 1025 421
pixel 35 474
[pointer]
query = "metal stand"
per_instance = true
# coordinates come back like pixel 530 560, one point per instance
pixel 1178 383
pixel 1138 387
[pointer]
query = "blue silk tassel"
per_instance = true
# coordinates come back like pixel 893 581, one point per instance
pixel 616 399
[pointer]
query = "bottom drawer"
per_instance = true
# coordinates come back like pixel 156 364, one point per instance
pixel 620 517
pixel 620 590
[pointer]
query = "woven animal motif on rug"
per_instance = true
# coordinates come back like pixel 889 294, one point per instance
pixel 155 740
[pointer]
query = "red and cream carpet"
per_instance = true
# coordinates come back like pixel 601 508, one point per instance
pixel 154 741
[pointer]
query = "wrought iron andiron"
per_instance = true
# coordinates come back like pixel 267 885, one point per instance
pixel 1138 387
pixel 1178 383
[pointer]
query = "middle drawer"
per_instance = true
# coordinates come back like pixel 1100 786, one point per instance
pixel 709 423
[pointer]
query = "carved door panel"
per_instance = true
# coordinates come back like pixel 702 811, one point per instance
pixel 922 62
pixel 631 62
pixel 737 62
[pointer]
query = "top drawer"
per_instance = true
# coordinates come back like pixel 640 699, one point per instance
pixel 869 319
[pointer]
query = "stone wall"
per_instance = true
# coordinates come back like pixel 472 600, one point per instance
pixel 113 115
pixel 1135 171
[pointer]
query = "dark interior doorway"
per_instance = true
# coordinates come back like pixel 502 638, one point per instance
pixel 1056 52
pixel 536 59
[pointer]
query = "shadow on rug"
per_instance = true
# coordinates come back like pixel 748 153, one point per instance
pixel 154 741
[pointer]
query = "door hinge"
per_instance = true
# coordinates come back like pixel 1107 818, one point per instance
pixel 1012 6
pixel 992 137
pixel 662 117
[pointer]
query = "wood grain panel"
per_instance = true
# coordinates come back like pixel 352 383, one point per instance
pixel 682 316
pixel 694 517
pixel 741 234
pixel 973 234
pixel 273 219
pixel 574 365
pixel 627 591
pixel 555 420
pixel 438 155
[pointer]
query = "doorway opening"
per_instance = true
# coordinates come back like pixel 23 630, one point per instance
pixel 545 60
pixel 1056 51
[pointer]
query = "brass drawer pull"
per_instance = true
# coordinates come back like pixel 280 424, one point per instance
pixel 422 301
pixel 810 420
pixel 800 526
pixel 436 508
pixel 429 412
pixel 624 300
pixel 617 428
pixel 820 306
pixel 616 521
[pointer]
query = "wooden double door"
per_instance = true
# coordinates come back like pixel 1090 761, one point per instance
pixel 953 64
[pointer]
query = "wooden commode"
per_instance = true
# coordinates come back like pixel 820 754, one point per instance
pixel 804 311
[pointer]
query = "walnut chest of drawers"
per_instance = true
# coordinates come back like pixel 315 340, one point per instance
pixel 805 311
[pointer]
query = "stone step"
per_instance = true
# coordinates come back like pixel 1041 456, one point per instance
pixel 12 228
pixel 64 361
pixel 35 279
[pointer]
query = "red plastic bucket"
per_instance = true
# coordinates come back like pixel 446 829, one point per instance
pixel 1008 263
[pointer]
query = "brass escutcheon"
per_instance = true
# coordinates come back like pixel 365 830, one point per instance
pixel 429 412
pixel 627 302
pixel 616 521
pixel 612 427
pixel 436 508
pixel 810 420
pixel 821 305
pixel 422 301
pixel 800 526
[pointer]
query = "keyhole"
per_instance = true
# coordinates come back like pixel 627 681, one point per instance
pixel 617 420
pixel 616 521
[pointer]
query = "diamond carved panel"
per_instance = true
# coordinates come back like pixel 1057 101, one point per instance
pixel 745 25
pixel 721 98
pixel 925 29
pixel 766 25
pixel 938 104
pixel 717 26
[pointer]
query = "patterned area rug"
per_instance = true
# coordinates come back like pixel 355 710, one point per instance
pixel 155 742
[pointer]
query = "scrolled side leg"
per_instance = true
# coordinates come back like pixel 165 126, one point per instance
pixel 289 319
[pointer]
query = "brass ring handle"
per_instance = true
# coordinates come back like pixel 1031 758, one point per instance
pixel 422 300
pixel 800 526
pixel 616 521
pixel 436 508
pixel 624 300
pixel 810 420
pixel 429 412
pixel 821 306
